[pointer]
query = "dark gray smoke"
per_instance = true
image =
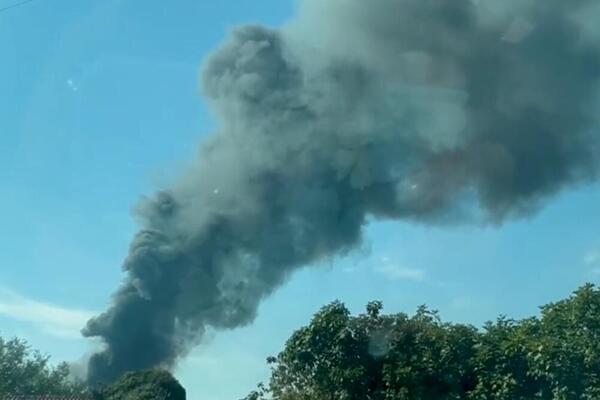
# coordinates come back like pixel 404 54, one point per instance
pixel 425 110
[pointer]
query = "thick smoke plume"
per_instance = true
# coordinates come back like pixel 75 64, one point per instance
pixel 433 111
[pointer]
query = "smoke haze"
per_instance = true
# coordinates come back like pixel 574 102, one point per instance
pixel 431 111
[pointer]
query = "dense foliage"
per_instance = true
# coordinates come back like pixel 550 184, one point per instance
pixel 27 372
pixel 143 385
pixel 374 356
pixel 381 357
pixel 24 371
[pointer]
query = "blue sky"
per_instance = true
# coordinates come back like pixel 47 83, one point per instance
pixel 99 105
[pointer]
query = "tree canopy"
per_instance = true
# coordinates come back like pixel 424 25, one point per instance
pixel 372 356
pixel 376 356
pixel 27 372
pixel 24 371
pixel 143 385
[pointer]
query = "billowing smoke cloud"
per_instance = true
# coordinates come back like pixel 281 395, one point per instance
pixel 432 111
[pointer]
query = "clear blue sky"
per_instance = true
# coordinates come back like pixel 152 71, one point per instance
pixel 99 104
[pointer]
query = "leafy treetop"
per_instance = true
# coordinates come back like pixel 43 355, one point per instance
pixel 378 357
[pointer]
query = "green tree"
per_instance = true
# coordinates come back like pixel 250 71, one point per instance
pixel 502 362
pixel 24 371
pixel 555 356
pixel 565 350
pixel 428 359
pixel 329 359
pixel 143 385
pixel 373 356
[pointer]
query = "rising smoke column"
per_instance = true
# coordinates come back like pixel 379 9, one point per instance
pixel 423 110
